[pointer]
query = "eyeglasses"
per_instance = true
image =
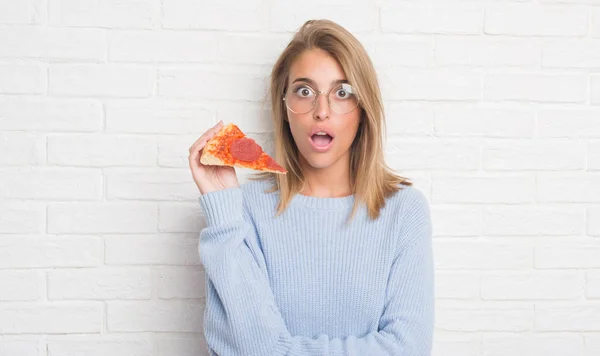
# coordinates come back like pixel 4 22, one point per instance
pixel 302 98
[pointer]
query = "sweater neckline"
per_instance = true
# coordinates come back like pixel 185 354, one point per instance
pixel 327 203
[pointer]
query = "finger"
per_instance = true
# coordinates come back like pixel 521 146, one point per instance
pixel 206 136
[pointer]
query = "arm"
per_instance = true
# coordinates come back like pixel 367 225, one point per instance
pixel 242 318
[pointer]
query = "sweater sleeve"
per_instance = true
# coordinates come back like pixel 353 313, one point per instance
pixel 242 317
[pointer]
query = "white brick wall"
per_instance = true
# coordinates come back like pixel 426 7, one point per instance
pixel 493 108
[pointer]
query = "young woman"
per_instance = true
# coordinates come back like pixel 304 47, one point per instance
pixel 333 258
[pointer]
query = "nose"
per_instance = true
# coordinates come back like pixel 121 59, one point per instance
pixel 321 111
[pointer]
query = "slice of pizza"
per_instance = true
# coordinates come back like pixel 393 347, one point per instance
pixel 231 147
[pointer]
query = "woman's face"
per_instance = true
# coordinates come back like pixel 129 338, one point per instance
pixel 322 135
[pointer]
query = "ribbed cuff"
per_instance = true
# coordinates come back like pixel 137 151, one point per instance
pixel 283 345
pixel 222 206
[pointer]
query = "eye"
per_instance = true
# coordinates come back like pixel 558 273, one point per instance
pixel 341 93
pixel 304 92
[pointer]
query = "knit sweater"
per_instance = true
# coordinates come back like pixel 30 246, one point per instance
pixel 306 283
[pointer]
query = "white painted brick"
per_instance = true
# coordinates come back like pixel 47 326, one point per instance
pixel 91 345
pixel 20 286
pixel 595 89
pixel 483 120
pixel 214 83
pixel 592 287
pixel 181 282
pixel 163 316
pixel 533 220
pixel 191 346
pixel 167 46
pixel 593 156
pixel 101 150
pixel 542 87
pixel 256 49
pixel 106 13
pixel 456 285
pixel 163 249
pixel 99 284
pixel 390 50
pixel 429 18
pixel 571 53
pixel 568 253
pixel 455 221
pixel 568 122
pixel 456 343
pixel 535 20
pixel 568 188
pixel 484 316
pixel 434 154
pixel 229 15
pixel 593 222
pixel 22 217
pixel 174 152
pixel 41 252
pixel 537 285
pixel 151 184
pixel 571 2
pixel 31 347
pixel 158 117
pixel 105 80
pixel 106 217
pixel 487 51
pixel 52 43
pixel 526 344
pixel 50 318
pixel 409 119
pixel 592 344
pixel 44 114
pixel 21 149
pixel 180 217
pixel 513 155
pixel 567 317
pixel 438 84
pixel 250 117
pixel 50 183
pixel 508 188
pixel 22 79
pixel 468 254
pixel 19 12
pixel 596 23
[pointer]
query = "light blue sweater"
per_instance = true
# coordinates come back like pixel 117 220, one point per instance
pixel 305 283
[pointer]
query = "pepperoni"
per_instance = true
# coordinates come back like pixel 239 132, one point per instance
pixel 245 149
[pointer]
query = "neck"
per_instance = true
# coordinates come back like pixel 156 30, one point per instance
pixel 330 182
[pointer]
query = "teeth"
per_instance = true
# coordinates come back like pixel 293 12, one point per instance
pixel 321 133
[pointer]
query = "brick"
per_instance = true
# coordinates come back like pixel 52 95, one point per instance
pixel 51 318
pixel 455 221
pixel 163 249
pixel 567 317
pixel 164 184
pixel 457 285
pixel 91 345
pixel 58 114
pixel 568 188
pixel 106 14
pixel 569 253
pixel 163 316
pixel 22 79
pixel 181 282
pixel 433 19
pixel 596 23
pixel 101 150
pixel 257 49
pixel 229 15
pixel 513 155
pixel 103 80
pixel 484 316
pixel 104 217
pixel 22 217
pixel 434 154
pixel 483 120
pixel 534 20
pixel 409 119
pixel 595 89
pixel 180 217
pixel 437 84
pixel 593 222
pixel 20 286
pixel 592 344
pixel 537 285
pixel 464 254
pixel 532 220
pixel 30 347
pixel 20 12
pixel 592 287
pixel 250 117
pixel 48 252
pixel 158 46
pixel 540 87
pixel 214 83
pixel 158 117
pixel 509 188
pixel 180 346
pixel 571 123
pixel 99 284
pixel 53 43
pixel 593 156
pixel 487 51
pixel 390 51
pixel 456 343
pixel 22 149
pixel 571 53
pixel 532 344
pixel 50 183
pixel 174 152
pixel 571 2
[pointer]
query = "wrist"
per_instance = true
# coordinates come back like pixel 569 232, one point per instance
pixel 221 206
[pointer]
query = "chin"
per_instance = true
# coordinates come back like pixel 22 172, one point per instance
pixel 320 161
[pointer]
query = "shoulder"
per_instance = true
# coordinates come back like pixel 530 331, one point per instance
pixel 257 195
pixel 412 213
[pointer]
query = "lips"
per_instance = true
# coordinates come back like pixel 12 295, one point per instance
pixel 321 139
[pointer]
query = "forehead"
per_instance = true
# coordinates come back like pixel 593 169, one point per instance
pixel 318 65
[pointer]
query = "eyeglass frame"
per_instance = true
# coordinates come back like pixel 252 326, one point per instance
pixel 321 92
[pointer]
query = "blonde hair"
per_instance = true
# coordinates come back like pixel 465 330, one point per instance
pixel 372 179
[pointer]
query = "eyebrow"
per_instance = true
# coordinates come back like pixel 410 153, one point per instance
pixel 310 81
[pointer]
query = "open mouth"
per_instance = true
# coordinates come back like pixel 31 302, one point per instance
pixel 321 141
